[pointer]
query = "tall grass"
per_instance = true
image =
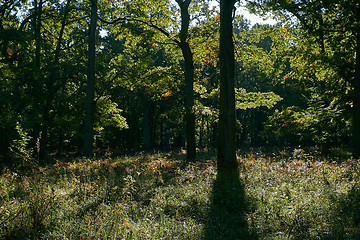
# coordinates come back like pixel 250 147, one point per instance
pixel 282 195
pixel 302 196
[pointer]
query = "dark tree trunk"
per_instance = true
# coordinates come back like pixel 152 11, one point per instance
pixel 189 80
pixel 227 119
pixel 356 106
pixel 167 135
pixel 47 119
pixel 37 29
pixel 90 88
pixel 146 124
pixel 201 136
pixel 189 103
pixel 36 21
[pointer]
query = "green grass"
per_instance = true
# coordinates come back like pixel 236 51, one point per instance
pixel 278 195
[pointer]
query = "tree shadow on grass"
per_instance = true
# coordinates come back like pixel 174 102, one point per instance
pixel 227 215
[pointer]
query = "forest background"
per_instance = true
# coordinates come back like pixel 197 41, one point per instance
pixel 294 80
pixel 110 112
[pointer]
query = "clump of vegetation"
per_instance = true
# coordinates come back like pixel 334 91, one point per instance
pixel 284 195
pixel 142 197
pixel 302 196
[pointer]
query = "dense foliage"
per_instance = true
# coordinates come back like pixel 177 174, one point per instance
pixel 294 81
pixel 86 84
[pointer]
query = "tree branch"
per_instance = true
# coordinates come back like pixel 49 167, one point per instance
pixel 153 26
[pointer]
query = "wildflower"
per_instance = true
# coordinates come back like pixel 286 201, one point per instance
pixel 126 225
pixel 349 230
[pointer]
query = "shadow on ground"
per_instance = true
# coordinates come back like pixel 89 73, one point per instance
pixel 227 216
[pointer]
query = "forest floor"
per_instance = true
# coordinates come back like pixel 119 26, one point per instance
pixel 285 194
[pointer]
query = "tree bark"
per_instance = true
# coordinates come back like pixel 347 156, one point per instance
pixel 146 124
pixel 227 117
pixel 356 99
pixel 47 119
pixel 90 87
pixel 36 21
pixel 37 29
pixel 189 80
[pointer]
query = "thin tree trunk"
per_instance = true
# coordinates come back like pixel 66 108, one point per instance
pixel 47 119
pixel 37 29
pixel 356 106
pixel 37 79
pixel 227 119
pixel 201 136
pixel 146 124
pixel 189 80
pixel 90 88
pixel 167 135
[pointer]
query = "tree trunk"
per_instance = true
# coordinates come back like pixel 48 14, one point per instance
pixel 189 80
pixel 90 88
pixel 36 21
pixel 47 119
pixel 37 29
pixel 227 119
pixel 189 104
pixel 146 124
pixel 167 135
pixel 356 106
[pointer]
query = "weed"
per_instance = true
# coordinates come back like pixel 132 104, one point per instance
pixel 284 195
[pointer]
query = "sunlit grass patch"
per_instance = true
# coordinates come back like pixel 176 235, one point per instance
pixel 140 197
pixel 284 195
pixel 300 197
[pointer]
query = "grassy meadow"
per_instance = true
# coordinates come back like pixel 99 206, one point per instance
pixel 283 194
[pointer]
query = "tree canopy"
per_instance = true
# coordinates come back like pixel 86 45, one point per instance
pixel 95 76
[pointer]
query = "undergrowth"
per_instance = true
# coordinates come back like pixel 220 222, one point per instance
pixel 284 195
